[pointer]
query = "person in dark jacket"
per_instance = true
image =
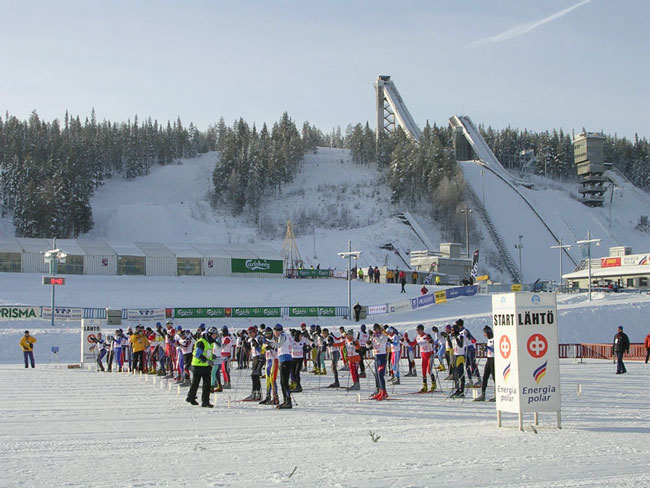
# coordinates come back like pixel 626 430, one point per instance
pixel 621 346
pixel 402 281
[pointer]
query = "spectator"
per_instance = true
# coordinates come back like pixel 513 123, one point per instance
pixel 357 312
pixel 647 347
pixel 27 345
pixel 621 346
pixel 371 274
pixel 402 281
pixel 360 274
pixel 414 276
pixel 424 290
pixel 376 273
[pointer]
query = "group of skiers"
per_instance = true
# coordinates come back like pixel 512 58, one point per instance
pixel 205 356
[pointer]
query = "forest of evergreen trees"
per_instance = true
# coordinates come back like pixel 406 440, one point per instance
pixel 49 170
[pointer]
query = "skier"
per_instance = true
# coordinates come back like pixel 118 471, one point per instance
pixel 283 345
pixel 215 373
pixel 410 354
pixel 118 342
pixel 470 354
pixel 425 343
pixel 362 339
pixel 379 339
pixel 202 366
pixel 458 363
pixel 394 339
pixel 102 348
pixel 621 346
pixel 227 344
pixel 352 347
pixel 488 370
pixel 298 347
pixel 271 369
pixel 333 345
pixel 255 343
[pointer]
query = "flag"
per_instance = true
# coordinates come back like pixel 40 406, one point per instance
pixel 474 271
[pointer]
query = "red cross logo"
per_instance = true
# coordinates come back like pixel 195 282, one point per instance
pixel 505 347
pixel 537 345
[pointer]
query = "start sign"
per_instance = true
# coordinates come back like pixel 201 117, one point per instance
pixel 526 362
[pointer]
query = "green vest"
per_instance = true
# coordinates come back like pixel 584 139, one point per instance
pixel 207 352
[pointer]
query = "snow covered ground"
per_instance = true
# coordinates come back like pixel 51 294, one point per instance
pixel 76 428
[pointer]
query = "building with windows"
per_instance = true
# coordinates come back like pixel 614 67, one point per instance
pixel 621 269
pixel 589 157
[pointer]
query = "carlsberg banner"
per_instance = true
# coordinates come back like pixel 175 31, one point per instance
pixel 256 266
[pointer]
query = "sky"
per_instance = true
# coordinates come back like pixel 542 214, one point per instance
pixel 521 63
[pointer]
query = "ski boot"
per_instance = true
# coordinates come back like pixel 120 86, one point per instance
pixel 355 387
pixel 480 398
pixel 250 397
pixel 433 386
pixel 226 386
pixel 217 389
pixel 424 388
pixel 382 395
pixel 396 381
pixel 374 395
pixel 297 389
pixel 334 385
pixel 276 400
pixel 192 401
pixel 266 401
pixel 285 404
pixel 322 371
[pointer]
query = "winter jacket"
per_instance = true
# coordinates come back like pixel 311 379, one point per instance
pixel 621 343
pixel 647 341
pixel 139 342
pixel 27 343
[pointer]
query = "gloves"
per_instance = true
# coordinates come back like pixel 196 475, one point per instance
pixel 203 359
pixel 210 362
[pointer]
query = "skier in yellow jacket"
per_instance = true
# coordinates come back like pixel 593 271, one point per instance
pixel 27 345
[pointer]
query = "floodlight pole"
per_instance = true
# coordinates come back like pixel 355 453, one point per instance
pixel 466 210
pixel 589 241
pixel 521 271
pixel 53 270
pixel 350 254
pixel 561 247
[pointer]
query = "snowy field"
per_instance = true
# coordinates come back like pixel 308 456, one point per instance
pixel 77 428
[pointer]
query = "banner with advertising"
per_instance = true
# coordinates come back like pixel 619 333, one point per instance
pixel 441 296
pixel 313 273
pixel 244 312
pixel 199 313
pixel 377 309
pixel 63 313
pixel 145 314
pixel 400 306
pixel 256 266
pixel 10 312
pixel 526 359
pixel 89 330
pixel 610 262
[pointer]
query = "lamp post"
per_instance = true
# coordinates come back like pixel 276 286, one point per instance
pixel 53 257
pixel 589 241
pixel 519 247
pixel 483 186
pixel 466 210
pixel 561 247
pixel 350 254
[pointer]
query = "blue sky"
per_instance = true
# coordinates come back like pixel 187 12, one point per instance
pixel 317 60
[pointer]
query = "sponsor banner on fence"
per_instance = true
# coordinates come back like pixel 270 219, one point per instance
pixel 401 306
pixel 140 314
pixel 312 311
pixel 314 273
pixel 12 313
pixel 63 313
pixel 256 266
pixel 199 313
pixel 441 296
pixel 424 300
pixel 339 273
pixel 256 312
pixel 377 309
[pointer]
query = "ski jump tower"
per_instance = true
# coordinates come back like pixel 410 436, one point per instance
pixel 391 110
